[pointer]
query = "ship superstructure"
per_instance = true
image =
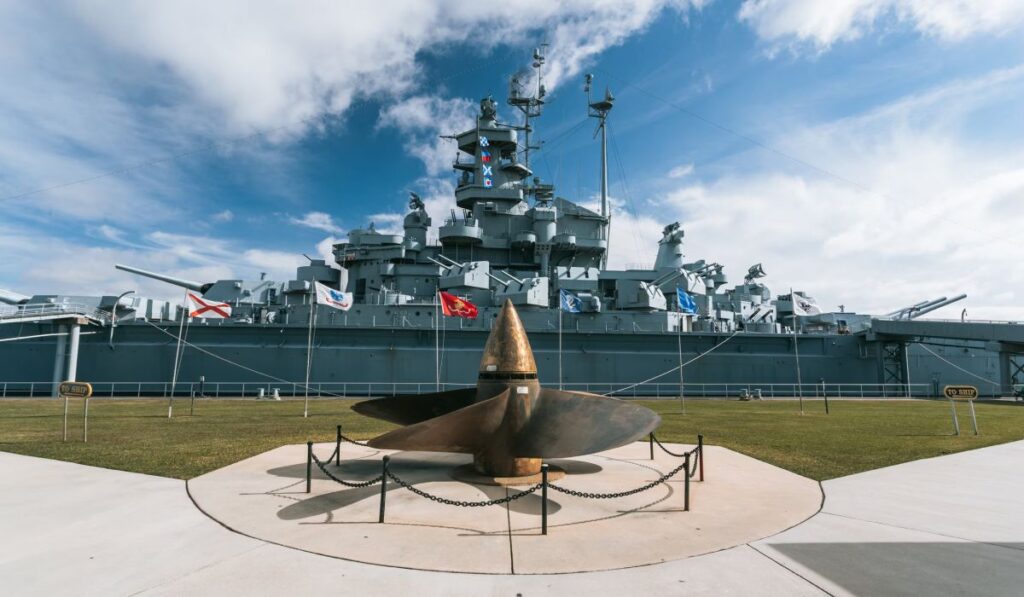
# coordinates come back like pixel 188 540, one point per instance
pixel 510 237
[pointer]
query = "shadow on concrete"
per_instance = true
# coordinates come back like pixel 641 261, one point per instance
pixel 915 568
pixel 329 502
pixel 576 467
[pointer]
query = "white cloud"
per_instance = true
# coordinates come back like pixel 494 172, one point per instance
pixel 822 24
pixel 223 216
pixel 680 171
pixel 422 120
pixel 271 64
pixel 74 268
pixel 317 220
pixel 942 215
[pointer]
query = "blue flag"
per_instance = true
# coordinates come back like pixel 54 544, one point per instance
pixel 569 301
pixel 686 304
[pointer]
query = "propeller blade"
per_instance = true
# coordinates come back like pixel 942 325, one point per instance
pixel 466 430
pixel 565 424
pixel 407 410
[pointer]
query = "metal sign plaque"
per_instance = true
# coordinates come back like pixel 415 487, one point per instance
pixel 960 392
pixel 75 389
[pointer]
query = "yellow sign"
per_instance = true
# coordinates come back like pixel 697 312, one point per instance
pixel 75 389
pixel 960 392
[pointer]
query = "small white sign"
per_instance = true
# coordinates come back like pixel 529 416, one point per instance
pixel 522 390
pixel 492 367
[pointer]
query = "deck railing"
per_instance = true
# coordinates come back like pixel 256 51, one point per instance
pixel 664 391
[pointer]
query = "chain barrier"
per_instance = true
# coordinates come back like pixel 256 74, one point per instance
pixel 352 441
pixel 695 453
pixel 667 451
pixel 606 496
pixel 464 504
pixel 324 470
pixel 695 456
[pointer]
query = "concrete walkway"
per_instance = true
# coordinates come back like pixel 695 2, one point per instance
pixel 948 525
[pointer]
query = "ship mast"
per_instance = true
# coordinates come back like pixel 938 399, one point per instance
pixel 600 110
pixel 530 106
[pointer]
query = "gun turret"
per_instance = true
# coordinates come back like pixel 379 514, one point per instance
pixel 189 284
pixel 12 298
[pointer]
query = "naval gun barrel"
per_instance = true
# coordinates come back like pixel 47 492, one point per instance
pixel 446 268
pixel 905 309
pixel 504 283
pixel 12 298
pixel 189 284
pixel 936 305
pixel 912 310
pixel 666 278
pixel 449 260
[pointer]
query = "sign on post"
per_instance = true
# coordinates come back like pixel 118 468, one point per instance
pixel 75 389
pixel 960 392
pixel 966 394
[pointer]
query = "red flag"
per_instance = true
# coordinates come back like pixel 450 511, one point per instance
pixel 453 306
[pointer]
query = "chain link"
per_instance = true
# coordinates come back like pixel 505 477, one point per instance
pixel 373 481
pixel 352 441
pixel 695 454
pixel 667 451
pixel 464 504
pixel 606 496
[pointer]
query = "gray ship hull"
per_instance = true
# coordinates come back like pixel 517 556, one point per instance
pixel 362 360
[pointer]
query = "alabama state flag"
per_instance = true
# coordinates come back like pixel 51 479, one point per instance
pixel 453 306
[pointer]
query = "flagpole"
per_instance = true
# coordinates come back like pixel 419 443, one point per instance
pixel 437 342
pixel 559 339
pixel 796 352
pixel 309 355
pixel 177 359
pixel 679 342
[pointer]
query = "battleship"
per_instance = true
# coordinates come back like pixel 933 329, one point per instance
pixel 510 238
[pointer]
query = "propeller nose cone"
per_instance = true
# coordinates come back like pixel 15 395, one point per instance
pixel 508 350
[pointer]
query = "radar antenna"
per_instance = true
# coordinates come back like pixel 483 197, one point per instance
pixel 530 105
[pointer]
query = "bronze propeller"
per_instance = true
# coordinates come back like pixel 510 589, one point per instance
pixel 508 421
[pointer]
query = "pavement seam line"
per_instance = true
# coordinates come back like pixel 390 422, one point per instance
pixel 936 533
pixel 791 571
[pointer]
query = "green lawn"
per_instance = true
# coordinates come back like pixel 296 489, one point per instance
pixel 136 435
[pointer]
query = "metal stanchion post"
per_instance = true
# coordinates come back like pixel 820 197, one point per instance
pixel 383 486
pixel 826 402
pixel 65 417
pixel 544 499
pixel 650 440
pixel 956 423
pixel 309 466
pixel 85 422
pixel 700 455
pixel 974 419
pixel 337 448
pixel 686 482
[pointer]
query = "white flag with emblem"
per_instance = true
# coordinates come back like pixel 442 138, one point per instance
pixel 803 305
pixel 325 295
pixel 207 309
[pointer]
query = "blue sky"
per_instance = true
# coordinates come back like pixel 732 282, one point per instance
pixel 868 152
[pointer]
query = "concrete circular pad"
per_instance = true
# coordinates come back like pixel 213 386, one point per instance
pixel 742 500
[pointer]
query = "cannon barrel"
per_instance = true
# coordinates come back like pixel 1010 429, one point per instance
pixel 12 298
pixel 196 286
pixel 937 305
